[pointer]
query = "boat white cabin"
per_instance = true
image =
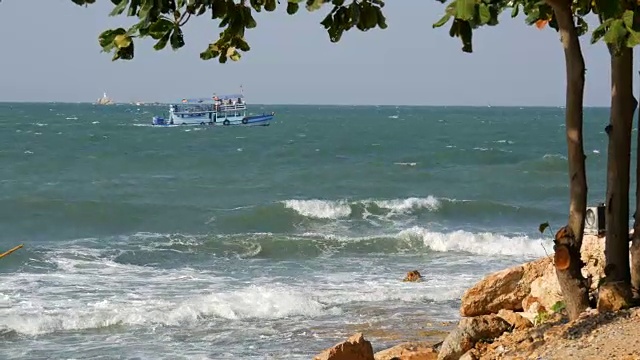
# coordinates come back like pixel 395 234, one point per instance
pixel 218 110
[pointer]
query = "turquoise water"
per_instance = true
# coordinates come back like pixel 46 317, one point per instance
pixel 267 242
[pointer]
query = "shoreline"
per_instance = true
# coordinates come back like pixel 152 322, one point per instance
pixel 515 313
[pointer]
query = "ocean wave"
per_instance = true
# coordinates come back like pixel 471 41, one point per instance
pixel 329 209
pixel 479 243
pixel 414 240
pixel 251 302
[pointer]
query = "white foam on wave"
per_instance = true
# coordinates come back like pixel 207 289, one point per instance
pixel 252 302
pixel 321 209
pixel 336 209
pixel 409 204
pixel 86 291
pixel 479 243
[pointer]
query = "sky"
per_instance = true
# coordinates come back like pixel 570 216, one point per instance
pixel 50 52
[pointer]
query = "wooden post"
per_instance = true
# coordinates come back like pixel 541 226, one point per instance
pixel 10 251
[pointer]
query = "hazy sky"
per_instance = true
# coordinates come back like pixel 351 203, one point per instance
pixel 50 53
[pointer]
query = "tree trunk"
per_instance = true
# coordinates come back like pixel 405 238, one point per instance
pixel 635 243
pixel 618 165
pixel 568 240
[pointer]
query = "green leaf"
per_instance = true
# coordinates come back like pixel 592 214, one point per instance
pixel 125 53
pixel 269 5
pixel 465 35
pixel 515 10
pixel 581 26
pixel 133 8
pixel 494 16
pixel 247 17
pixel 484 13
pixel 634 38
pixel 533 16
pixel 542 227
pixel 210 53
pixel 354 13
pixel 443 20
pixel 327 22
pixel 599 32
pixel 558 306
pixel 162 43
pixel 608 8
pixel 235 56
pixel 382 21
pixel 465 9
pixel 177 39
pixel 122 41
pixel 106 38
pixel 583 7
pixel 119 9
pixel 241 44
pixel 160 27
pixel 616 32
pixel 218 9
pixel 627 17
pixel 292 8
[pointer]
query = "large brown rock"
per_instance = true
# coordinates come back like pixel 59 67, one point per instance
pixel 470 331
pixel 546 288
pixel 355 348
pixel 502 290
pixel 614 296
pixel 408 351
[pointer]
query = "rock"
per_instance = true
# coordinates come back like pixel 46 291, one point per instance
pixel 469 331
pixel 613 296
pixel 546 288
pixel 355 348
pixel 502 290
pixel 514 319
pixel 408 351
pixel 413 276
pixel 592 255
pixel 469 355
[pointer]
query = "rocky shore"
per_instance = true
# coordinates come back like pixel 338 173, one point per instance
pixel 518 313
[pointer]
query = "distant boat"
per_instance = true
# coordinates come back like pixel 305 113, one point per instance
pixel 223 110
pixel 104 100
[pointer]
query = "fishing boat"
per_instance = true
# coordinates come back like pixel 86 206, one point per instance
pixel 225 110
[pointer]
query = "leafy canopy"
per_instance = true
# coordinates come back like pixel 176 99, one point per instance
pixel 162 20
pixel 620 19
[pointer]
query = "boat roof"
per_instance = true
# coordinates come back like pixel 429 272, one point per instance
pixel 209 99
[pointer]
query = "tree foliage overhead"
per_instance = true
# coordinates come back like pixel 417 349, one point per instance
pixel 162 20
pixel 619 19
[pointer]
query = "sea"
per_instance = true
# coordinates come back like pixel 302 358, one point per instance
pixel 199 242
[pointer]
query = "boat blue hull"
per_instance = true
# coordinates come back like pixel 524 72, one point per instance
pixel 253 120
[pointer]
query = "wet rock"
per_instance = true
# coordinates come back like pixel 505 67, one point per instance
pixel 355 348
pixel 469 332
pixel 413 275
pixel 408 351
